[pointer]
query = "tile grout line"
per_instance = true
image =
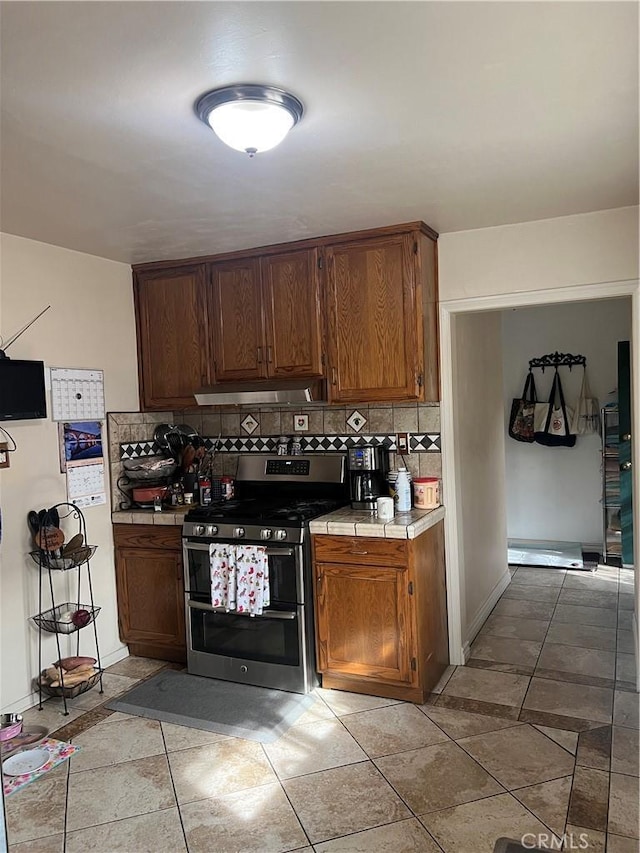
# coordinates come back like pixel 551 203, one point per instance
pixel 173 787
pixel 284 791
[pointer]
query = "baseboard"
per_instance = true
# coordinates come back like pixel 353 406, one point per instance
pixel 484 611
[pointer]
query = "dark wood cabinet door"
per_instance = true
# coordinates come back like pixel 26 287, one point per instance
pixel 236 319
pixel 364 625
pixel 173 352
pixel 293 324
pixel 150 591
pixel 372 320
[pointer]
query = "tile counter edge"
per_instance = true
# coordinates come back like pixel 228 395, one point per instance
pixel 139 516
pixel 348 522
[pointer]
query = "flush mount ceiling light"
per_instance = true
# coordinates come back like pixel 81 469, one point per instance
pixel 249 118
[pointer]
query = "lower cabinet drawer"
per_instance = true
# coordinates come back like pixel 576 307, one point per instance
pixel 350 549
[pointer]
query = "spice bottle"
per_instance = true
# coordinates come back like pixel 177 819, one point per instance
pixel 227 487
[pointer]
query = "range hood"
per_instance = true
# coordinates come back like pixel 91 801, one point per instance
pixel 238 393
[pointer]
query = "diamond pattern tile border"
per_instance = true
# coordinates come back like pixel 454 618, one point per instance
pixel 420 443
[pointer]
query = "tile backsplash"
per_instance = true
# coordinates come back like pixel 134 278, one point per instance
pixel 256 430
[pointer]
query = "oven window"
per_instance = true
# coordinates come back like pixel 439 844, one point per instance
pixel 282 574
pixel 251 638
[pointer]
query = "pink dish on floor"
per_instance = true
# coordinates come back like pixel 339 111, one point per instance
pixel 7 732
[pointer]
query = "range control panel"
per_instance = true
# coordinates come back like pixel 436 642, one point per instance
pixel 298 467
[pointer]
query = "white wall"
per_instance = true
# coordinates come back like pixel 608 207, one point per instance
pixel 477 406
pixel 550 253
pixel 91 324
pixel 554 492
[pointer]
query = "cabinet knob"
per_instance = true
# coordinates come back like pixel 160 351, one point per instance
pixel 334 376
pixel 259 355
pixel 626 437
pixel 626 466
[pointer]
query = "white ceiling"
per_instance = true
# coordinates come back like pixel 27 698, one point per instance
pixel 461 114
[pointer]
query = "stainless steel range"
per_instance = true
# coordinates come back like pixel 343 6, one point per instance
pixel 276 497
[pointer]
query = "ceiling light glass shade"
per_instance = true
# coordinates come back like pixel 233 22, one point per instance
pixel 249 118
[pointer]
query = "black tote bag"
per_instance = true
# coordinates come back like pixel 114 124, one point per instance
pixel 522 412
pixel 556 432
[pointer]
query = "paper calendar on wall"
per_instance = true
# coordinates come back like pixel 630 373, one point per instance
pixel 77 395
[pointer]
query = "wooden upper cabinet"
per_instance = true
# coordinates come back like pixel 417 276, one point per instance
pixel 236 319
pixel 293 327
pixel 374 320
pixel 173 350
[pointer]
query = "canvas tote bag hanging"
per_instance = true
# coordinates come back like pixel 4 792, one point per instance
pixel 586 416
pixel 522 412
pixel 556 430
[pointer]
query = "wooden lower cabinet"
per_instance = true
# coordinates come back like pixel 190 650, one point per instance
pixel 381 617
pixel 150 589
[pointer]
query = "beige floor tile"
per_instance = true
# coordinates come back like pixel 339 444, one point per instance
pixel 519 756
pixel 525 609
pixel 396 728
pixel 583 636
pixel 625 641
pixel 539 576
pixel 157 832
pixel 459 724
pixel 515 627
pixel 625 709
pixel 102 745
pixel 436 777
pixel 619 844
pixel 51 844
pixel 37 811
pixel 185 737
pixel 626 668
pixel 566 739
pixel 316 712
pixel 624 797
pixel 263 822
pixel 405 836
pixel 578 615
pixel 625 751
pixel 344 800
pixel 587 840
pixel 505 650
pixel 316 746
pixel 570 700
pixel 588 598
pixel 596 663
pixel 475 827
pixel 123 790
pixel 113 686
pixel 444 679
pixel 548 801
pixel 530 592
pixel 588 804
pixel 219 768
pixel 342 702
pixel 51 716
pixel 601 581
pixel 135 667
pixel 500 688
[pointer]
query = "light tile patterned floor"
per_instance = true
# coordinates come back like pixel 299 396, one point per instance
pixel 537 736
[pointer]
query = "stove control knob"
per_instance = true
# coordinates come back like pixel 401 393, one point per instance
pixel 238 532
pixel 198 529
pixel 267 533
pixel 211 530
pixel 279 535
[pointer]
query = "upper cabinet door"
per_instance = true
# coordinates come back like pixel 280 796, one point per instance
pixel 293 324
pixel 375 349
pixel 173 352
pixel 236 319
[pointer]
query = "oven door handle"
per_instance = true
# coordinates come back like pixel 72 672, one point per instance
pixel 270 552
pixel 266 614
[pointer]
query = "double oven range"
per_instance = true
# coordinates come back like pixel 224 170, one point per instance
pixel 275 499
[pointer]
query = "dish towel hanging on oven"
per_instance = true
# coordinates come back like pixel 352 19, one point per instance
pixel 222 560
pixel 239 578
pixel 252 579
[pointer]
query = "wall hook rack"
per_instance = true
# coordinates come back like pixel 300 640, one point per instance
pixel 558 359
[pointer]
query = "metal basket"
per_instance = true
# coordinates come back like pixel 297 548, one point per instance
pixel 50 621
pixel 76 690
pixel 46 560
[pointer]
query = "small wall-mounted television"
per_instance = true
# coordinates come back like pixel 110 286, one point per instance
pixel 22 395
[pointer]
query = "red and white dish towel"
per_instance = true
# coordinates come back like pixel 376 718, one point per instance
pixel 239 578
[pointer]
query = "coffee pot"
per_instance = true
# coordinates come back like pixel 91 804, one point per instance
pixel 367 467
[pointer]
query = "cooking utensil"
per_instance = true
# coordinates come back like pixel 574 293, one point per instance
pixel 147 494
pixel 188 432
pixel 54 516
pixel 174 441
pixel 50 538
pixel 188 455
pixel 160 435
pixel 74 544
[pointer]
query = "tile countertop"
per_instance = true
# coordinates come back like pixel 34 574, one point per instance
pixel 342 522
pixel 405 525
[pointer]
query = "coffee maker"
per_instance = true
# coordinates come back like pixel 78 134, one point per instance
pixel 368 466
